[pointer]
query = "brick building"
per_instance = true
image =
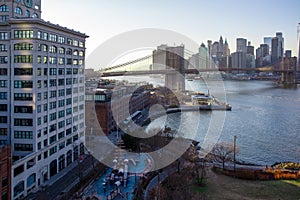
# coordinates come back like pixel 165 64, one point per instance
pixel 5 172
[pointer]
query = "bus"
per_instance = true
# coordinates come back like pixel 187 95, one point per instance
pixel 133 117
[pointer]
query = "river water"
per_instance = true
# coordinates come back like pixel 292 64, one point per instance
pixel 265 119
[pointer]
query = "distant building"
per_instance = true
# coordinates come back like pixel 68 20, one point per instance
pixel 275 46
pixel 280 45
pixel 268 41
pixel 5 172
pixel 175 61
pixel 216 53
pixel 250 49
pixel 203 57
pixel 103 104
pixel 288 53
pixel 262 56
pixel 238 60
pixel 159 57
pixel 241 45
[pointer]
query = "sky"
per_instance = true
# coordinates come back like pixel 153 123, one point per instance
pixel 197 19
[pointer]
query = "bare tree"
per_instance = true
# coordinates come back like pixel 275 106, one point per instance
pixel 223 152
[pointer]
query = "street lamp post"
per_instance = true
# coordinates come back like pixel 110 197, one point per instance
pixel 234 152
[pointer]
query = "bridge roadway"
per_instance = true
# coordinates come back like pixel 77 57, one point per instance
pixel 188 71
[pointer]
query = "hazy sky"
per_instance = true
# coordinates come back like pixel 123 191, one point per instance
pixel 197 19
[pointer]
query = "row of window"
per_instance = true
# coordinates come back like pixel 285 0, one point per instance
pixel 61 61
pixel 60 39
pixel 28 34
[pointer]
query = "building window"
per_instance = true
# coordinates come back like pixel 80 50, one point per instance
pixel 35 15
pixel 3 107
pixel 52 117
pixel 53 71
pixel 3 47
pixel 4 8
pixel 69 111
pixel 23 122
pixel 81 44
pixel 69 51
pixel 3 36
pixel 61 50
pixel 3 84
pixel 69 81
pixel 61 61
pixel 23 59
pixel 18 10
pixel 45 36
pixel 23 34
pixel 75 43
pixel 52 105
pixel 23 46
pixel 3 119
pixel 53 83
pixel 61 103
pixel 52 139
pixel 53 49
pixel 23 135
pixel 53 94
pixel 27 13
pixel 53 150
pixel 61 39
pixel 53 38
pixel 23 71
pixel 23 147
pixel 61 114
pixel 61 135
pixel 3 72
pixel 39 109
pixel 3 95
pixel 4 18
pixel 81 53
pixel 23 109
pixel 53 60
pixel 52 128
pixel 23 84
pixel 61 93
pixel 69 101
pixel 39 35
pixel 3 131
pixel 3 59
pixel 69 91
pixel 23 97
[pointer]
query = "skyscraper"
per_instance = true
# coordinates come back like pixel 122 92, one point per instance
pixel 275 52
pixel 241 45
pixel 280 45
pixel 203 57
pixel 41 95
pixel 268 41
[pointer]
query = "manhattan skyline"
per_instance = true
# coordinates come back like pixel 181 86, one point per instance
pixel 200 21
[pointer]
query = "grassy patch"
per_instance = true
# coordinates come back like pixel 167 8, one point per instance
pixel 199 189
pixel 293 182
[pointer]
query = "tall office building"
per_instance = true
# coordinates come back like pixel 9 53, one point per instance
pixel 275 57
pixel 203 57
pixel 268 41
pixel 280 45
pixel 241 45
pixel 41 94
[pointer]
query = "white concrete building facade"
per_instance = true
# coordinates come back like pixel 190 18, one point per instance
pixel 41 94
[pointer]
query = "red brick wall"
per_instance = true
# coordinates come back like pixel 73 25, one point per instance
pixel 5 169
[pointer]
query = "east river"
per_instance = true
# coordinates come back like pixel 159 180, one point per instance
pixel 265 119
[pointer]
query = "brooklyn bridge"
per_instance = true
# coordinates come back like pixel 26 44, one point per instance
pixel 174 62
